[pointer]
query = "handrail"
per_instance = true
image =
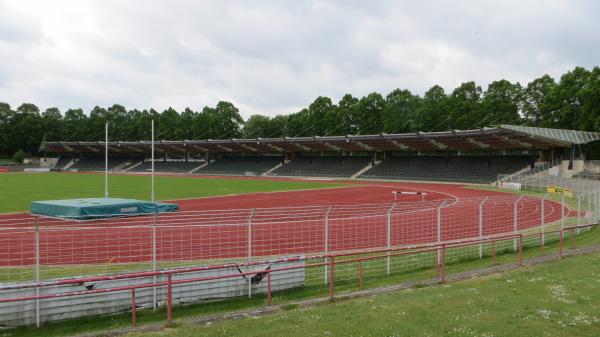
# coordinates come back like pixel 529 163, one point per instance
pixel 331 262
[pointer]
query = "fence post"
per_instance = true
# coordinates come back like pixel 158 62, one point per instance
pixel 560 244
pixel 326 240
pixel 516 220
pixel 37 270
pixel 331 276
pixel 562 211
pixel 154 296
pixel 133 308
pixel 588 215
pixel 542 236
pixel 250 251
pixel 578 211
pixel 597 205
pixel 439 227
pixel 389 236
pixel 520 249
pixel 443 265
pixel 169 298
pixel 481 226
pixel 269 287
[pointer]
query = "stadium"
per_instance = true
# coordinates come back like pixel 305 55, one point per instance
pixel 265 217
pixel 316 168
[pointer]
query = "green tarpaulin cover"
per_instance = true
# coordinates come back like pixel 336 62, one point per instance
pixel 98 207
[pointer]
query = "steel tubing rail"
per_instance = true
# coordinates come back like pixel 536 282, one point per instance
pixel 331 262
pixel 216 277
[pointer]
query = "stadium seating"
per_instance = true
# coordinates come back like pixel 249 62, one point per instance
pixel 241 165
pixel 63 161
pixel 167 166
pixel 476 169
pixel 96 163
pixel 326 166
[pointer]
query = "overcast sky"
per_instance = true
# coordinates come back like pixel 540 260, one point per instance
pixel 273 57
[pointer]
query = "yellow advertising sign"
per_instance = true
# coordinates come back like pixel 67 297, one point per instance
pixel 557 190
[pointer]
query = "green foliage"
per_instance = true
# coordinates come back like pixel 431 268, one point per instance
pixel 542 102
pixel 19 156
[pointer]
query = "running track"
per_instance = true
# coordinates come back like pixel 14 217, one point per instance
pixel 357 221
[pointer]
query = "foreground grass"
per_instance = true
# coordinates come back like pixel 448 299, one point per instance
pixel 19 189
pixel 556 299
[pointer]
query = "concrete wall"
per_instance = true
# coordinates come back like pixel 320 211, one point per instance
pixel 592 166
pixel 23 313
pixel 564 168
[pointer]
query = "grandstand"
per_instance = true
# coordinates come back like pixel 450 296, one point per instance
pixel 241 165
pixel 476 169
pixel 167 166
pixel 323 166
pixel 479 155
pixel 63 161
pixel 96 163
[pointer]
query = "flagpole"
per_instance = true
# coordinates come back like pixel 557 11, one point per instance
pixel 106 160
pixel 152 183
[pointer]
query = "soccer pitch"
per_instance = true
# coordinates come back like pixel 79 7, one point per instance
pixel 17 190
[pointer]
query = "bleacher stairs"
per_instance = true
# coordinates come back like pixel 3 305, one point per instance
pixel 364 169
pixel 133 166
pixel 123 167
pixel 274 168
pixel 198 168
pixel 71 163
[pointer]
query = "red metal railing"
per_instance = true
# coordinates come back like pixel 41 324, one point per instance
pixel 572 236
pixel 330 261
pixel 439 249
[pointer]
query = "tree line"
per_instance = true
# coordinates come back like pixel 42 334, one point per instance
pixel 572 102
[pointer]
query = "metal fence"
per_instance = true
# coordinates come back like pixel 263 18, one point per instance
pixel 37 250
pixel 537 179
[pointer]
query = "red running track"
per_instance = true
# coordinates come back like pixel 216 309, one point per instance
pixel 298 225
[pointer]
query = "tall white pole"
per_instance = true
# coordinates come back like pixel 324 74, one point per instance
pixel 152 178
pixel 106 160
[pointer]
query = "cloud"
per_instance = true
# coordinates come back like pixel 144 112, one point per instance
pixel 274 57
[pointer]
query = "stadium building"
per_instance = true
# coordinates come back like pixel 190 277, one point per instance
pixel 477 156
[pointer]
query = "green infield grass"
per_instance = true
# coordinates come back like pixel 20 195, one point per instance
pixel 17 190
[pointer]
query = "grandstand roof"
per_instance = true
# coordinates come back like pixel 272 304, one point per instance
pixel 504 137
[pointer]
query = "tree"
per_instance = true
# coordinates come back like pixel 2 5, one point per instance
pixel 74 125
pixel 465 108
pixel 400 112
pixel 19 156
pixel 557 109
pixel 6 118
pixel 52 125
pixel 167 125
pixel 434 109
pixel 534 97
pixel 257 126
pixel 321 117
pixel 297 125
pixel 370 111
pixel 227 121
pixel 95 126
pixel 502 103
pixel 186 126
pixel 25 130
pixel 348 114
